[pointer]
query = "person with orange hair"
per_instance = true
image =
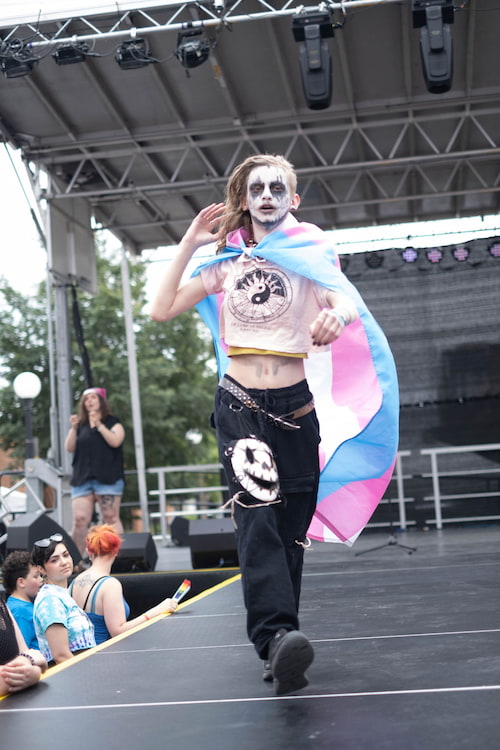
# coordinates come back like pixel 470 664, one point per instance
pixel 100 595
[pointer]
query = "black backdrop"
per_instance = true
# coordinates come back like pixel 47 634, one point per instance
pixel 442 322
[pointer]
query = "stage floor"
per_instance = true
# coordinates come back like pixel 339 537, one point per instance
pixel 407 658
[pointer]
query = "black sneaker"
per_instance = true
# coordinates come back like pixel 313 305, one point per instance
pixel 267 674
pixel 290 654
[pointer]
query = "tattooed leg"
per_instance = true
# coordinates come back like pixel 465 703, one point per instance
pixel 82 515
pixel 110 510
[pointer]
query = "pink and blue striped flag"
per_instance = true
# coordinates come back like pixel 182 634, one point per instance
pixel 354 385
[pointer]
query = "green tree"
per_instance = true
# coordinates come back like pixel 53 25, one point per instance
pixel 23 347
pixel 174 367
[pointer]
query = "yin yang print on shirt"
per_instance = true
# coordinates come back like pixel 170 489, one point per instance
pixel 260 295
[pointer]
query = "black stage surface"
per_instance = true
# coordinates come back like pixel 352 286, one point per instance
pixel 407 658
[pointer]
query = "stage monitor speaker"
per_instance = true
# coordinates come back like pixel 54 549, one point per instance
pixel 137 554
pixel 179 531
pixel 27 528
pixel 213 543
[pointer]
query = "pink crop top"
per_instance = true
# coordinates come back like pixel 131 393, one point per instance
pixel 265 307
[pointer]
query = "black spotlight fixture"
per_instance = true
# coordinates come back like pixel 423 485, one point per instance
pixel 373 259
pixel 12 68
pixel 69 54
pixel 133 54
pixel 310 28
pixel 16 59
pixel 192 50
pixel 434 18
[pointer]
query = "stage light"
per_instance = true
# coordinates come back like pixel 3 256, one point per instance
pixel 12 68
pixel 16 60
pixel 434 255
pixel 310 28
pixel 191 51
pixel 69 54
pixel 409 255
pixel 433 18
pixel 460 253
pixel 133 54
pixel 374 259
pixel 494 250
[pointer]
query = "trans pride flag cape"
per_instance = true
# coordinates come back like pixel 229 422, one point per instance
pixel 354 385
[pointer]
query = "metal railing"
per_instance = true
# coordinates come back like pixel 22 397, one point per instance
pixel 191 499
pixel 396 486
pixel 437 474
pixel 202 506
pixel 181 495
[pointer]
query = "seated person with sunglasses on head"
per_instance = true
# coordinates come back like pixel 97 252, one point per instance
pixel 100 595
pixel 20 667
pixel 62 628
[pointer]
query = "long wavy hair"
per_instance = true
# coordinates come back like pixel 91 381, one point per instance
pixel 234 216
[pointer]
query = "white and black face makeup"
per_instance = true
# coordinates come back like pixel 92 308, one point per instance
pixel 268 198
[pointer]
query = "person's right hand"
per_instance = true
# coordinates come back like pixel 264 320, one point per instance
pixel 201 230
pixel 73 420
pixel 167 605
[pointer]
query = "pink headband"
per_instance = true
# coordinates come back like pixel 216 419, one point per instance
pixel 100 391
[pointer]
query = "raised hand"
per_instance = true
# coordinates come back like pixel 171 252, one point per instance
pixel 204 227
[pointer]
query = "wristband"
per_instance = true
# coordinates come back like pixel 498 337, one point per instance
pixel 28 656
pixel 339 317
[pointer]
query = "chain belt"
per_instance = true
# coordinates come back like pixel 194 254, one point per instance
pixel 285 421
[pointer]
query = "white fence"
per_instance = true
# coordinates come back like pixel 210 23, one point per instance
pixel 195 500
pixel 202 498
pixel 439 471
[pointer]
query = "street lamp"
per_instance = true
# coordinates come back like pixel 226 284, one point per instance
pixel 27 386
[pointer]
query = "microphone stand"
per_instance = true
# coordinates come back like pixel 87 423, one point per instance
pixel 392 541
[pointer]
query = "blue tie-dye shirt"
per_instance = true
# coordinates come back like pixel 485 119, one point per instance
pixel 54 605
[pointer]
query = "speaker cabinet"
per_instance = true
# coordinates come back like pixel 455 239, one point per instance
pixel 27 528
pixel 179 531
pixel 137 554
pixel 213 543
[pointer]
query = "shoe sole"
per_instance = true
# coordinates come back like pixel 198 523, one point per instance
pixel 291 659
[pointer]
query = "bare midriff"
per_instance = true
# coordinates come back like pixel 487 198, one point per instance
pixel 266 370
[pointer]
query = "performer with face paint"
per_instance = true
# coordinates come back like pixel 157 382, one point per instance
pixel 269 307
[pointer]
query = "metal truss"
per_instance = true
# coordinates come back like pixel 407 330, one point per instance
pixel 154 17
pixel 361 162
pixel 436 165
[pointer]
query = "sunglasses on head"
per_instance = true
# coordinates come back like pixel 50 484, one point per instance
pixel 46 542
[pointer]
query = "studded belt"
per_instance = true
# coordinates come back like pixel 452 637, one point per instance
pixel 285 421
